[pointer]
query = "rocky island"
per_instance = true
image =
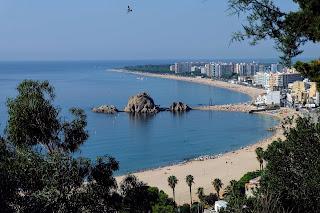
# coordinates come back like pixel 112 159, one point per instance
pixel 105 109
pixel 179 107
pixel 141 103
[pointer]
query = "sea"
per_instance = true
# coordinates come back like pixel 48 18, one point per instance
pixel 139 142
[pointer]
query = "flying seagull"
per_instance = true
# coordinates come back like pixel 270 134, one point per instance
pixel 129 9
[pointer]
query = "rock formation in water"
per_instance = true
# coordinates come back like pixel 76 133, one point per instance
pixel 141 103
pixel 179 107
pixel 106 109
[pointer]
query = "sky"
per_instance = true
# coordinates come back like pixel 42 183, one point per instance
pixel 102 30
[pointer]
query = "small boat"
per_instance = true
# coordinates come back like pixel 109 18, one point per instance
pixel 140 78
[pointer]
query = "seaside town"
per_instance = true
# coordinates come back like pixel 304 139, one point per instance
pixel 124 107
pixel 284 87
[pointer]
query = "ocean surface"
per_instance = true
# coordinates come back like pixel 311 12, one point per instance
pixel 139 142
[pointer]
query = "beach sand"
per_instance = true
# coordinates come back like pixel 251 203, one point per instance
pixel 228 166
pixel 251 91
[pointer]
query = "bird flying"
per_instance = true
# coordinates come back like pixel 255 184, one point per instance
pixel 129 9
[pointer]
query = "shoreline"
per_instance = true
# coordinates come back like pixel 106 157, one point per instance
pixel 226 166
pixel 250 91
pixel 231 165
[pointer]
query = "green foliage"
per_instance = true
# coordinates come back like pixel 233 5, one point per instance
pixel 292 173
pixel 247 177
pixel 217 184
pixel 138 197
pixel 162 209
pixel 235 193
pixel 150 68
pixel 54 180
pixel 33 120
pixel 190 181
pixel 172 182
pixel 230 76
pixel 185 208
pixel 259 153
pixel 162 204
pixel 210 199
pixel 310 70
pixel 291 180
pixel 290 30
pixel 201 195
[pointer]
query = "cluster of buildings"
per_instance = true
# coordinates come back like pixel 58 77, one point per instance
pixel 223 69
pixel 283 86
pixel 288 89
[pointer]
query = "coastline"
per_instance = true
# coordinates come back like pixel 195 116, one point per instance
pixel 250 91
pixel 226 166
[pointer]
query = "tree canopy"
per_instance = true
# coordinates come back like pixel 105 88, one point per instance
pixel 34 120
pixel 289 29
pixel 34 179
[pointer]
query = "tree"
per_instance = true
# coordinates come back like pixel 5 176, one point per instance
pixel 201 196
pixel 33 120
pixel 259 153
pixel 200 193
pixel 292 172
pixel 190 181
pixel 211 199
pixel 289 29
pixel 102 187
pixel 137 196
pixel 53 179
pixel 217 184
pixel 50 180
pixel 163 203
pixel 310 70
pixel 9 181
pixel 172 181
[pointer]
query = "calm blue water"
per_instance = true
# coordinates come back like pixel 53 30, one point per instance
pixel 139 142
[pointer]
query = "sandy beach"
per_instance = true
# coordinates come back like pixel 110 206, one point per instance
pixel 251 91
pixel 227 166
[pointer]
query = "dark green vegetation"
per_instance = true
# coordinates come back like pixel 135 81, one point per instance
pixel 38 172
pixel 310 70
pixel 160 69
pixel 289 29
pixel 217 184
pixel 291 180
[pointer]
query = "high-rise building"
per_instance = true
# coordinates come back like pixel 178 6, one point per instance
pixel 262 79
pixel 262 68
pixel 282 80
pixel 172 68
pixel 182 67
pixel 288 78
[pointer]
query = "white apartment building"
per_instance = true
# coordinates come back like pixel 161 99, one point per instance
pixel 262 79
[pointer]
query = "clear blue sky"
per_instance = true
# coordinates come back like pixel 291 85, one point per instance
pixel 101 29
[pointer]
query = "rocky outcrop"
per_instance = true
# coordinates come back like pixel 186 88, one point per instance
pixel 106 109
pixel 179 107
pixel 141 103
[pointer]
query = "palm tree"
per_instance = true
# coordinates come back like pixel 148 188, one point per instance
pixel 232 190
pixel 172 182
pixel 201 197
pixel 259 153
pixel 189 181
pixel 217 184
pixel 200 194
